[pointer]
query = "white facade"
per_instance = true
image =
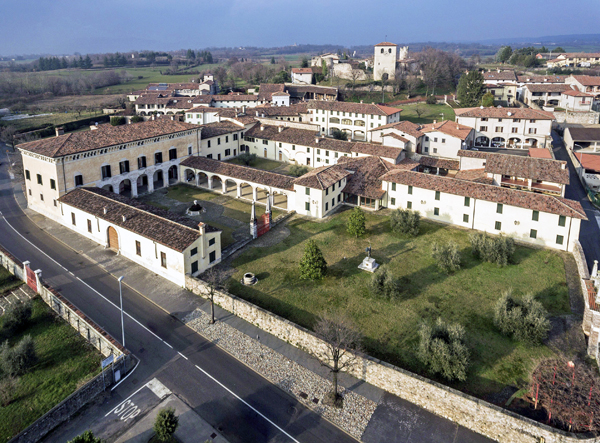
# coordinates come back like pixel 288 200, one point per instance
pixel 509 131
pixel 319 203
pixel 221 147
pixel 302 77
pixel 384 61
pixel 440 144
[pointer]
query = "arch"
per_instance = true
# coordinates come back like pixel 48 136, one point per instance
pixel 169 112
pixel 245 190
pixel 142 184
pixel 158 179
pixel 346 121
pixel 112 238
pixel 280 200
pixel 359 123
pixel 108 188
pixel 348 132
pixel 552 102
pixel 359 135
pixel 173 174
pixel 201 179
pixel 498 141
pixel 230 187
pixel 125 188
pixel 189 176
pixel 532 141
pixel 514 141
pixel 382 50
pixel 334 120
pixel 482 140
pixel 216 182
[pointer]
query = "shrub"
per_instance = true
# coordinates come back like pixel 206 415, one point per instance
pixel 523 319
pixel 339 135
pixel 247 158
pixel 405 221
pixel 443 350
pixel 312 265
pixel 17 316
pixel 117 121
pixel 383 284
pixel 298 170
pixel 87 437
pixel 446 256
pixel 431 100
pixel 165 424
pixel 356 222
pixel 18 359
pixel 8 387
pixel 137 119
pixel 497 250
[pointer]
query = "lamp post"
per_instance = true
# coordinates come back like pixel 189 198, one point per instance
pixel 121 298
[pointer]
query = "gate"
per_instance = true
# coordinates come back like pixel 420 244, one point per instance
pixel 263 225
pixel 31 281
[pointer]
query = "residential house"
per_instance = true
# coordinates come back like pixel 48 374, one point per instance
pixel 575 59
pixel 404 134
pixel 302 76
pixel 543 94
pixel 500 76
pixel 446 138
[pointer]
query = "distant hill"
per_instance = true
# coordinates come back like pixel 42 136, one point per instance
pixel 572 40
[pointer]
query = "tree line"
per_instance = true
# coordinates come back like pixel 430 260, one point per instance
pixel 54 63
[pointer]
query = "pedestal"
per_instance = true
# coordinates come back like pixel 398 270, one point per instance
pixel 368 264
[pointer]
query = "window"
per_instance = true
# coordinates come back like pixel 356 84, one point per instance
pixel 293 147
pixel 307 150
pixel 499 120
pixel 531 121
pixel 138 248
pixel 326 153
pixel 435 150
pixel 332 202
pixel 235 137
pixel 227 152
pixel 265 142
pixel 339 197
pixel 52 183
pixel 514 130
pixel 172 154
pixel 189 150
pixel 393 186
pixel 193 251
pixel 307 191
pixel 211 242
pixel 533 130
pixel 435 139
pixel 106 172
pixel 194 267
pixel 465 218
pixel 483 128
pixel 226 139
pixel 27 175
pixel 436 211
pixel 326 207
pixel 498 226
pixel 89 225
pixel 163 259
pixel 42 197
pixel 408 205
pixel 218 140
pixel 307 206
pixel 533 233
pixel 467 201
pixel 212 256
pixel 141 162
pixel 327 191
pixel 318 152
pixel 29 191
pixel 73 218
pixel 209 156
pixel 535 216
pixel 208 146
pixel 437 195
pixel 559 239
pixel 499 129
pixel 499 208
pixel 54 201
pixel 124 167
pixel 39 179
pixel 158 158
pixel 484 119
pixel 410 189
pixel 393 201
pixel 562 220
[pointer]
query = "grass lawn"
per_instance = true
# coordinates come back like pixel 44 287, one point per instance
pixel 66 361
pixel 8 281
pixel 189 193
pixel 55 119
pixel 227 234
pixel 429 114
pixel 259 163
pixel 390 328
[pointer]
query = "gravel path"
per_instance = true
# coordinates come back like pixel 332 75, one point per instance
pixel 306 386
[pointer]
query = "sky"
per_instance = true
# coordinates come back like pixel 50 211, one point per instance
pixel 85 26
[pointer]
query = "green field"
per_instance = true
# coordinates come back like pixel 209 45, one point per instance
pixel 66 361
pixel 55 119
pixel 390 328
pixel 429 113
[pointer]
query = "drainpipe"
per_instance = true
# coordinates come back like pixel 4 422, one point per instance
pixel 64 174
pixel 569 232
pixel 473 222
pixel 198 139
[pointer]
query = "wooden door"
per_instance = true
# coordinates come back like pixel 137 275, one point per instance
pixel 113 238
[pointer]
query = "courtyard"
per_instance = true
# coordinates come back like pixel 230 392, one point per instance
pixel 390 328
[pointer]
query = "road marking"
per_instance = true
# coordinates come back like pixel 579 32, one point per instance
pixel 245 402
pixel 125 378
pixel 167 344
pixel 182 355
pixel 160 390
pixel 113 409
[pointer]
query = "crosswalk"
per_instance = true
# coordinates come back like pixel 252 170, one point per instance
pixel 13 297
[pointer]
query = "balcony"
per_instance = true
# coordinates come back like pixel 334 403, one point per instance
pixel 546 188
pixel 514 183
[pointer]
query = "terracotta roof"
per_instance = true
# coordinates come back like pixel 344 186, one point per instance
pixel 523 199
pixel 215 129
pixel 241 172
pixel 299 91
pixel 386 44
pixel 164 227
pixel 302 70
pixel 367 172
pixel 323 177
pixel 541 78
pixel 474 175
pixel 525 113
pixel 266 91
pixel 437 162
pixel 76 142
pixel 471 154
pixel 580 54
pixel 235 97
pixel 584 134
pixel 270 111
pixel 377 150
pixel 540 153
pixel 548 88
pixel 280 94
pixel 576 93
pixel 358 108
pixel 396 136
pixel 589 161
pixel 204 109
pixel 587 80
pixel 450 128
pixel 554 171
pixel 406 126
pixel 502 75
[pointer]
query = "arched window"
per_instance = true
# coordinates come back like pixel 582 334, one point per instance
pixel 390 50
pixel 359 123
pixel 346 121
pixel 334 120
pixel 382 50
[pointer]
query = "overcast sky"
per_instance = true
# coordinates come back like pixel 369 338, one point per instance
pixel 67 26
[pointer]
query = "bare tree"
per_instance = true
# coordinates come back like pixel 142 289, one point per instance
pixel 384 78
pixel 420 110
pixel 342 341
pixel 215 279
pixel 411 84
pixel 354 76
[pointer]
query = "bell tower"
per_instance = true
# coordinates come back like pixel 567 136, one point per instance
pixel 384 60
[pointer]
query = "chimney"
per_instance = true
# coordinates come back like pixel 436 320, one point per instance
pixel 262 127
pixel 202 228
pixel 93 127
pixel 104 210
pixel 563 165
pixel 257 113
pixel 316 139
pixel 219 117
pixel 59 131
pixel 124 218
pixel 280 128
pixel 243 109
pixel 434 122
pixel 361 101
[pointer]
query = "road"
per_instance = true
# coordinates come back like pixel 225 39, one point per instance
pixel 589 237
pixel 238 402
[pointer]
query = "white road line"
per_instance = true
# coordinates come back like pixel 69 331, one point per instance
pixel 125 378
pixel 182 355
pixel 245 402
pixel 112 410
pixel 167 344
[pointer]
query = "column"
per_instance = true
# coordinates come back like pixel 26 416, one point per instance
pixel 197 179
pixel 166 178
pixel 116 189
pixel 150 183
pixel 254 194
pixel 239 190
pixel 210 182
pixel 134 188
pixel 224 186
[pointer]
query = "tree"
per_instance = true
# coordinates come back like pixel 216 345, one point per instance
pixel 17 316
pixel 190 55
pixel 298 170
pixel 524 319
pixel 439 68
pixel 446 256
pixel 273 60
pixel 356 222
pixel 8 388
pixel 215 279
pixel 384 78
pixel 18 359
pixel 405 221
pixel 383 284
pixel 559 49
pixel 420 110
pixel 165 424
pixel 443 350
pixel 312 265
pixel 338 134
pixel 87 62
pixel 354 76
pixel 497 250
pixel 470 89
pixel 7 135
pixel 503 54
pixel 304 63
pixel 411 84
pixel 117 121
pixel 247 158
pixel 342 341
pixel 86 437
pixel 324 69
pixel 487 100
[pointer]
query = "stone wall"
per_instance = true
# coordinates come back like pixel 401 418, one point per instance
pixel 11 264
pixel 475 414
pixel 582 118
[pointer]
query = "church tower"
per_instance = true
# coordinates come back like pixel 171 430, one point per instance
pixel 384 60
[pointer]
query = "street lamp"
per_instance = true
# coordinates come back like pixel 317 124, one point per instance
pixel 121 298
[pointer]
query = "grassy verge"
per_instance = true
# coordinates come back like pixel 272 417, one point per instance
pixel 391 328
pixel 66 361
pixel 429 113
pixel 8 281
pixel 259 163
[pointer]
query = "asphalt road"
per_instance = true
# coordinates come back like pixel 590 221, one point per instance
pixel 238 402
pixel 589 236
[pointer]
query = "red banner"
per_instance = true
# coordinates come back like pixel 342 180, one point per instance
pixel 31 280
